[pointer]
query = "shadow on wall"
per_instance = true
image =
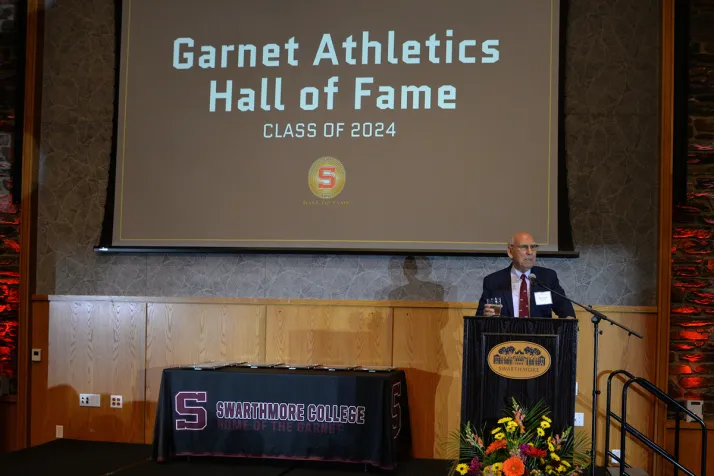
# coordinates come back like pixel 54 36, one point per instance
pixel 61 408
pixel 412 281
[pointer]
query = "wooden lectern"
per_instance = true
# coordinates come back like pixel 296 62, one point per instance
pixel 529 359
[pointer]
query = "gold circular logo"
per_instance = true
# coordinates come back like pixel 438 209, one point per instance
pixel 519 360
pixel 326 177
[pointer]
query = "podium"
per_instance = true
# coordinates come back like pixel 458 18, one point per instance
pixel 529 359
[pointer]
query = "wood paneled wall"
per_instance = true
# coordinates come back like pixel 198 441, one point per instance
pixel 428 346
pixel 110 345
pixel 618 351
pixel 690 447
pixel 91 347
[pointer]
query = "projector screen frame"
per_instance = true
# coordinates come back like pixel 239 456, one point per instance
pixel 565 238
pixel 310 251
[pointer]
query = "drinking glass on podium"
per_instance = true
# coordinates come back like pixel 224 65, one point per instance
pixel 495 304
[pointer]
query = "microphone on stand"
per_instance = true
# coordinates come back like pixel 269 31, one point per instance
pixel 534 280
pixel 597 317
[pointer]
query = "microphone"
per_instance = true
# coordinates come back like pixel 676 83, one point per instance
pixel 534 280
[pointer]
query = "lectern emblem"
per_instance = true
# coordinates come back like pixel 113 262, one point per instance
pixel 519 360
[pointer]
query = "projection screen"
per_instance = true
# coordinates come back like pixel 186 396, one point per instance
pixel 343 125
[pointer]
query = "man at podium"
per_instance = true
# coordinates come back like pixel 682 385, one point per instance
pixel 523 289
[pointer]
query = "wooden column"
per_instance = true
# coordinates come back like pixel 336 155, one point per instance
pixel 28 208
pixel 664 279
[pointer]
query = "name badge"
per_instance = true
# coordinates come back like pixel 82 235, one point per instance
pixel 542 298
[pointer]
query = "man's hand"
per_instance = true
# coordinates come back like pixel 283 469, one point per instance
pixel 488 310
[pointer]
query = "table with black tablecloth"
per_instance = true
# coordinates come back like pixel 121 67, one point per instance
pixel 346 415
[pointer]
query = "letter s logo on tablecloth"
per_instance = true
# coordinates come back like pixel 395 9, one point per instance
pixel 396 410
pixel 198 413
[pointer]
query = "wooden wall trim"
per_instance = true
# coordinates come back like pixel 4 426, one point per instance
pixel 308 302
pixel 128 344
pixel 28 208
pixel 665 217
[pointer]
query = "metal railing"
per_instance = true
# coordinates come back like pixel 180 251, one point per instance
pixel 626 428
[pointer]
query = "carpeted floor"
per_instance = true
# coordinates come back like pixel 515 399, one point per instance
pixel 90 458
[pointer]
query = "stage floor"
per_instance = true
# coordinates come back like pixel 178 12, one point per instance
pixel 90 458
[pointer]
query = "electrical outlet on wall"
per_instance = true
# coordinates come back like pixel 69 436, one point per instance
pixel 89 400
pixel 115 401
pixel 579 419
pixel 616 453
pixel 59 431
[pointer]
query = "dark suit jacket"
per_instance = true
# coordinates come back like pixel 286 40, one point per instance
pixel 498 284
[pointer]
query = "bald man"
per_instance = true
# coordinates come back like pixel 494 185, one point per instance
pixel 519 296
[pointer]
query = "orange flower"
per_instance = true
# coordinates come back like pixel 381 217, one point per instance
pixel 513 466
pixel 495 446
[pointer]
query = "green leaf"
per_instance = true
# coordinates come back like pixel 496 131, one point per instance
pixel 582 443
pixel 458 446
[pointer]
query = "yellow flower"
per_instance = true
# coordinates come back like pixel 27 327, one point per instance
pixel 497 466
pixel 561 469
pixel 500 436
pixel 547 419
pixel 462 469
pixel 496 430
pixel 544 424
pixel 565 463
pixel 551 447
pixel 504 420
pixel 554 457
pixel 540 432
pixel 549 470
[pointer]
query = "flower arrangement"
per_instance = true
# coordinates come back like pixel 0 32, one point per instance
pixel 521 444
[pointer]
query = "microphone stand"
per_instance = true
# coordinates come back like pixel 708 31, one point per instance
pixel 597 317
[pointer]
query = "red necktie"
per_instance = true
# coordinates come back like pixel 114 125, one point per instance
pixel 523 298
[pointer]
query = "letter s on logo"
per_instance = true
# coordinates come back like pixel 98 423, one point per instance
pixel 327 176
pixel 198 414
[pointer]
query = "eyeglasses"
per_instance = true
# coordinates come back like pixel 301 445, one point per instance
pixel 525 247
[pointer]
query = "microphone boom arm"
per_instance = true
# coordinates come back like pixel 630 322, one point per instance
pixel 597 317
pixel 597 314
